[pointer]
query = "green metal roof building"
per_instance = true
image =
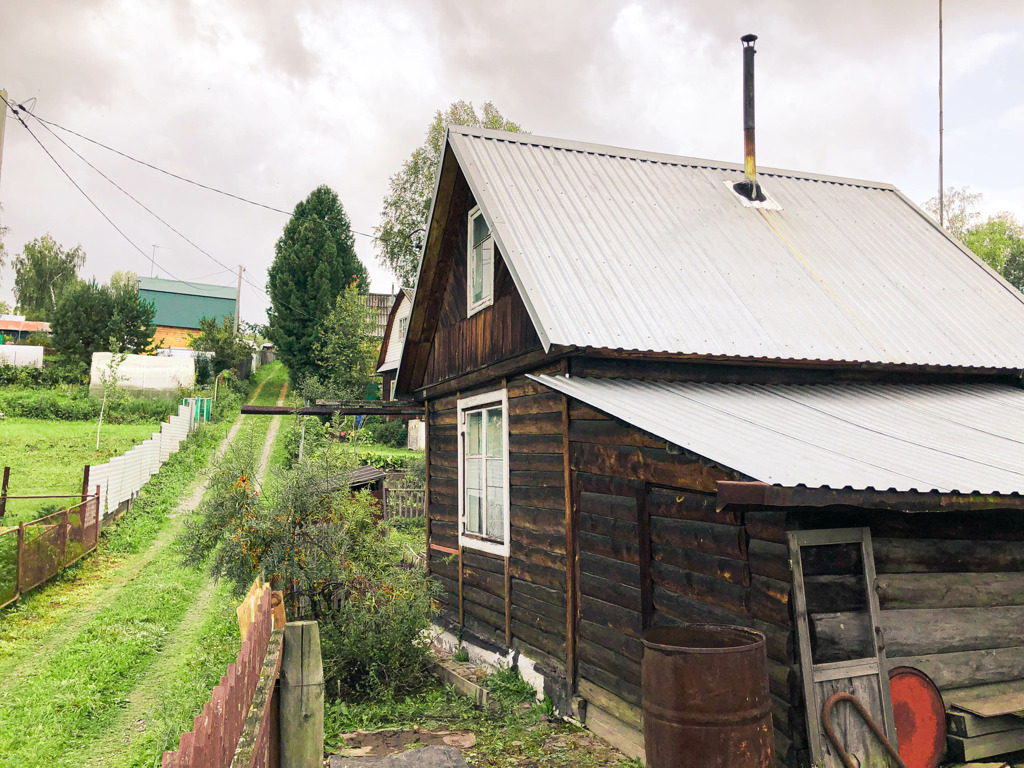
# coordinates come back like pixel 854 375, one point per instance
pixel 183 305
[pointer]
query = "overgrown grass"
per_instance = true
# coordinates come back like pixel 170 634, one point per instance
pixel 75 404
pixel 49 456
pixel 518 738
pixel 182 695
pixel 273 377
pixel 76 693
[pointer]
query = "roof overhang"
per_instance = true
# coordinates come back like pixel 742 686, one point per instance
pixel 903 446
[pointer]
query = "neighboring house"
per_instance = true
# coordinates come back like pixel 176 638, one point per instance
pixel 652 402
pixel 394 338
pixel 181 305
pixel 16 328
pixel 380 304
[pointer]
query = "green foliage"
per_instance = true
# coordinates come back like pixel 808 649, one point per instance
pixel 508 688
pixel 959 206
pixel 314 261
pixel 41 273
pixel 461 655
pixel 56 371
pixel 1000 242
pixel 4 309
pixel 345 347
pixel 313 443
pixel 336 563
pixel 93 318
pixel 229 351
pixel 74 404
pixel 403 219
pixel 389 433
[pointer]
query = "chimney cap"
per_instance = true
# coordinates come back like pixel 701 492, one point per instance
pixel 748 39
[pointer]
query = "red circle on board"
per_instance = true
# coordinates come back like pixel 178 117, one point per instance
pixel 920 717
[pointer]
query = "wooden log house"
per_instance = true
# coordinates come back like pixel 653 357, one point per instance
pixel 391 347
pixel 652 401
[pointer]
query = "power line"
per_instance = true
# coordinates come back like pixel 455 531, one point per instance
pixel 159 218
pixel 84 193
pixel 187 180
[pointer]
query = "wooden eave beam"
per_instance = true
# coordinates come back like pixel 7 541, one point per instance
pixel 755 494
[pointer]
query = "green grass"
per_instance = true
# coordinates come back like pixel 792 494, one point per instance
pixel 520 738
pixel 273 377
pixel 77 691
pixel 49 456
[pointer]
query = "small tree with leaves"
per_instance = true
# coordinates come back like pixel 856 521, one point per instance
pixel 42 272
pixel 110 382
pixel 228 350
pixel 403 219
pixel 346 349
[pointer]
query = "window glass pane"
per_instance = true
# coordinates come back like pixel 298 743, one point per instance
pixel 476 274
pixel 474 433
pixel 480 230
pixel 474 495
pixel 495 433
pixel 495 499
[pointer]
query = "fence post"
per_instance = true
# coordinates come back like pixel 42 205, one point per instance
pixel 3 491
pixel 85 482
pixel 301 714
pixel 17 568
pixel 64 526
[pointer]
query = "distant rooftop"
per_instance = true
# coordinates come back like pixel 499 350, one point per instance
pixel 159 285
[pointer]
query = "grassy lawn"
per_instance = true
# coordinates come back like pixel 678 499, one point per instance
pixel 270 378
pixel 48 457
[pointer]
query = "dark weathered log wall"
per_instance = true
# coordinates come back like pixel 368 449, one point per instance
pixel 950 588
pixel 462 344
pixel 533 614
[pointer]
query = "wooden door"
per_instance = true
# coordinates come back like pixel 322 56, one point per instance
pixel 834 584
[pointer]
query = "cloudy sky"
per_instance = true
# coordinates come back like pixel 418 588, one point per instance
pixel 269 98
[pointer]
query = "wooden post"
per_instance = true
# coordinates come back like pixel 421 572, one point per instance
pixel 17 567
pixel 426 481
pixel 570 547
pixel 85 482
pixel 508 605
pixel 64 531
pixel 3 491
pixel 301 713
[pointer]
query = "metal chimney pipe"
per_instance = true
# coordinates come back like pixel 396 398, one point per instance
pixel 749 187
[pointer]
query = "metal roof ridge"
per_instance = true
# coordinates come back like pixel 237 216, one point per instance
pixel 657 157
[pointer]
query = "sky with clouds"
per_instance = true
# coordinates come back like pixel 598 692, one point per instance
pixel 269 99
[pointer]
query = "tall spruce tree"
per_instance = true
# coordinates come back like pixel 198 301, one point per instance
pixel 315 260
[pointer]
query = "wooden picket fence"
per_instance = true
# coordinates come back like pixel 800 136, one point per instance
pixel 237 727
pixel 405 502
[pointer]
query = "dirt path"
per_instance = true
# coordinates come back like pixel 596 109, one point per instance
pixel 145 698
pixel 92 601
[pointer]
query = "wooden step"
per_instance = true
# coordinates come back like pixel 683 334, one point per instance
pixel 991 744
pixel 963 723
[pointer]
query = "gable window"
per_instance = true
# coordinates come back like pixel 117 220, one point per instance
pixel 483 472
pixel 480 272
pixel 403 326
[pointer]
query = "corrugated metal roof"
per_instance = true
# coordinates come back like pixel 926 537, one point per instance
pixel 964 438
pixel 618 249
pixel 365 475
pixel 159 285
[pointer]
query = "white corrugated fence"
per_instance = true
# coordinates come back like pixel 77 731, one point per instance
pixel 121 478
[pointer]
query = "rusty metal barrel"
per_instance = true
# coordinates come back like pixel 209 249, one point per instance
pixel 705 698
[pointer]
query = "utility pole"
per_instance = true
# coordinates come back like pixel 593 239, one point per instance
pixel 152 260
pixel 238 298
pixel 3 122
pixel 942 211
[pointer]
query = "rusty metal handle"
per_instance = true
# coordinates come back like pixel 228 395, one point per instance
pixel 826 720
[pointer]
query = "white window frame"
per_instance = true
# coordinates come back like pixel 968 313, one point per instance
pixel 488 265
pixel 470 540
pixel 403 327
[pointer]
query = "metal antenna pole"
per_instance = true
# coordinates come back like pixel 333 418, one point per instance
pixel 942 210
pixel 152 260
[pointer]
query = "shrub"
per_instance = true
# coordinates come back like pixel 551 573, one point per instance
pixel 391 433
pixel 316 438
pixel 336 563
pixel 74 404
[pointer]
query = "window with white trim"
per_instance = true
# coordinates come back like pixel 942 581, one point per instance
pixel 483 472
pixel 403 327
pixel 480 266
